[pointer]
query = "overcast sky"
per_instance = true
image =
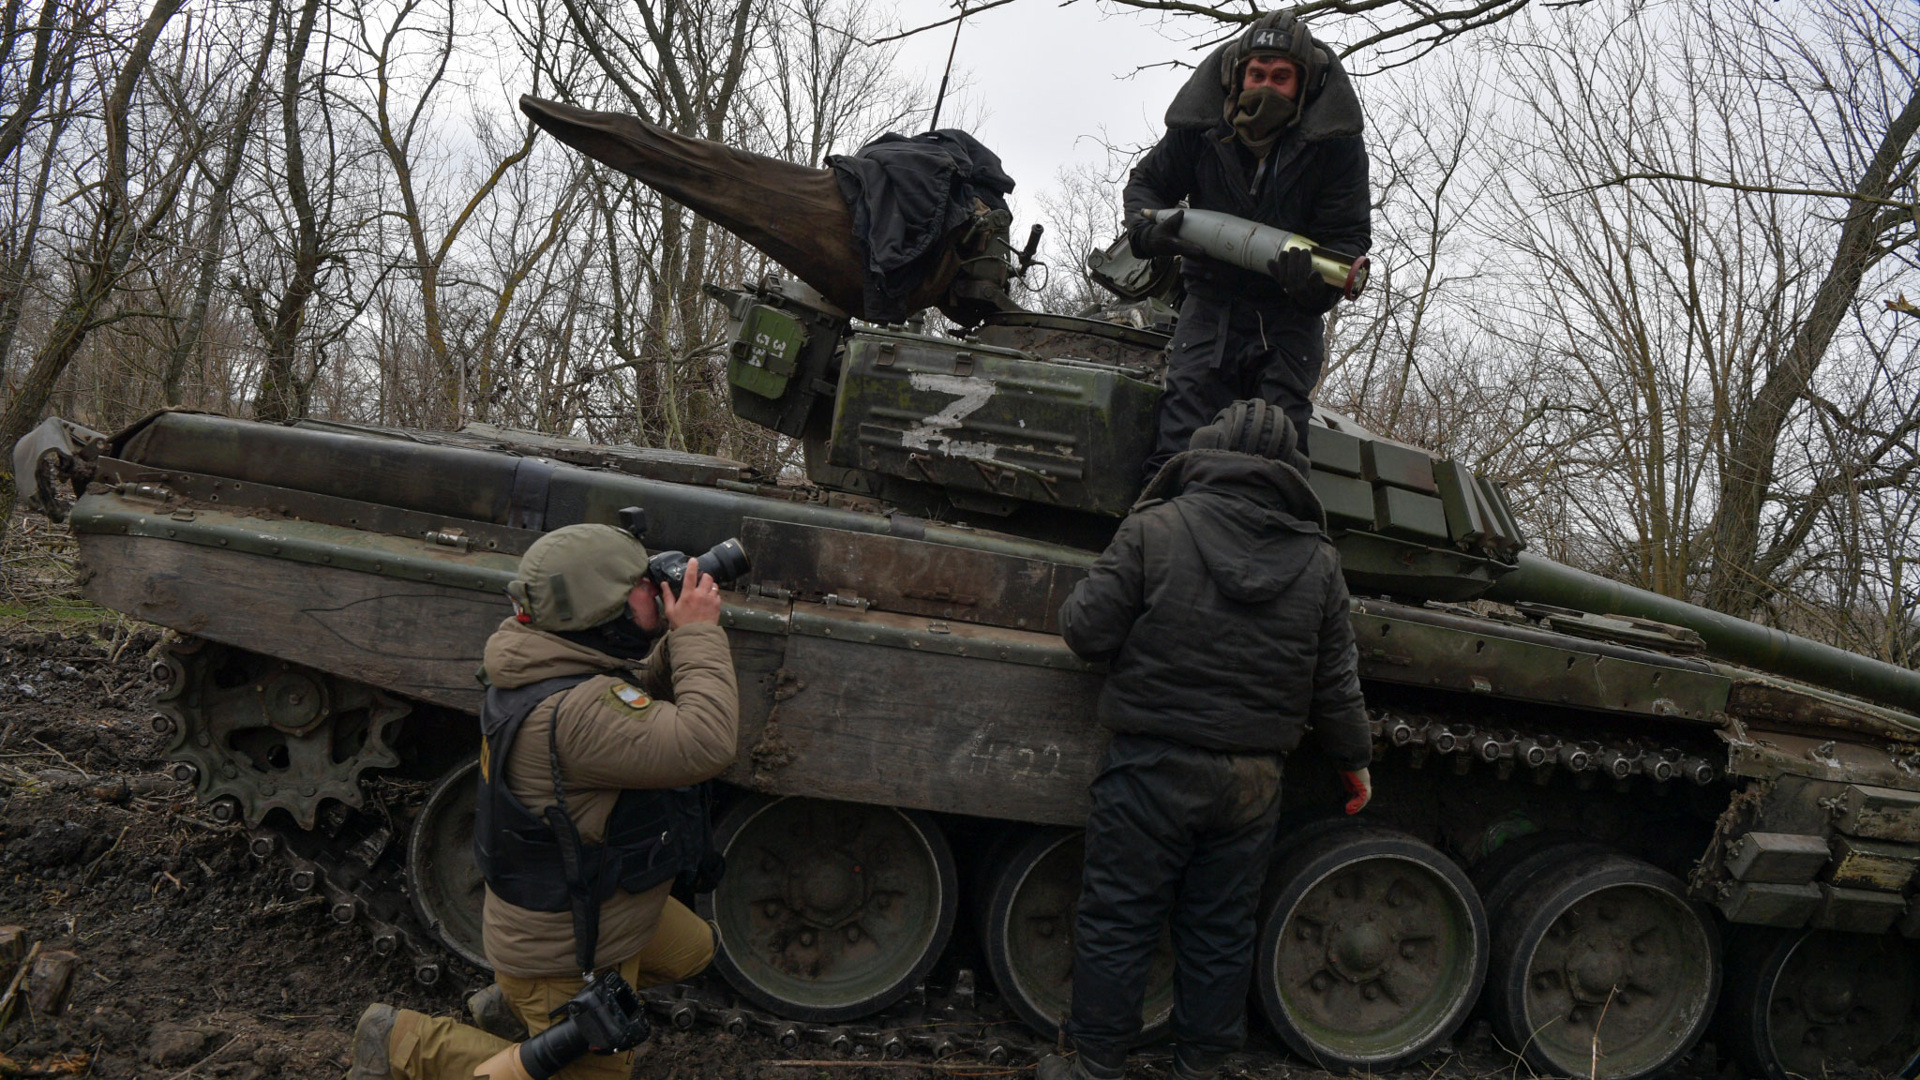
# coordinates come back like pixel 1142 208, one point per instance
pixel 1049 84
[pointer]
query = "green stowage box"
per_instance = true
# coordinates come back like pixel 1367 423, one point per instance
pixel 1401 466
pixel 762 357
pixel 1334 451
pixel 1408 515
pixel 1069 433
pixel 1347 501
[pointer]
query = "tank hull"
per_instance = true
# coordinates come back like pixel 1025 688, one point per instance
pixel 904 678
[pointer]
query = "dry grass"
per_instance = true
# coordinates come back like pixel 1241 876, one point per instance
pixel 38 586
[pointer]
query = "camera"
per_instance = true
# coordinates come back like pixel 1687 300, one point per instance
pixel 605 1017
pixel 724 561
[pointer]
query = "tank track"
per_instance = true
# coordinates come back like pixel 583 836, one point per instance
pixel 254 734
pixel 351 866
pixel 351 863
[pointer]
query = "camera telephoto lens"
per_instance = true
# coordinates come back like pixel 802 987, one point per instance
pixel 724 562
pixel 553 1049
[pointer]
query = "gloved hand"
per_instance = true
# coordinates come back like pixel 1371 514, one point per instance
pixel 1159 236
pixel 1360 786
pixel 1293 269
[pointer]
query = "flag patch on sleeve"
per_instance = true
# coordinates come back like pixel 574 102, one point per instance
pixel 631 696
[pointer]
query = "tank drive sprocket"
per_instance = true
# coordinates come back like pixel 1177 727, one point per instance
pixel 267 733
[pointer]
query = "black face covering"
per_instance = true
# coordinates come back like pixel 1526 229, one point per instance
pixel 618 637
pixel 1260 115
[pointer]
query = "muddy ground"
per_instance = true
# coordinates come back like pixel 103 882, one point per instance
pixel 195 959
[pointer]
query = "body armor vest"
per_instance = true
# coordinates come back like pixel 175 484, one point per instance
pixel 538 861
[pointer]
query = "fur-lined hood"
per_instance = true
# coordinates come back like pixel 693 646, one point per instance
pixel 1332 113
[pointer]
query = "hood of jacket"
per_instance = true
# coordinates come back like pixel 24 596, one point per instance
pixel 518 655
pixel 1282 483
pixel 1236 506
pixel 1332 113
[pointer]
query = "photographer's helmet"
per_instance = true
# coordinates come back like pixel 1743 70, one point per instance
pixel 1277 33
pixel 577 577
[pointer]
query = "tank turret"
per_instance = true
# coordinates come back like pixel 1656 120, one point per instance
pixel 1039 425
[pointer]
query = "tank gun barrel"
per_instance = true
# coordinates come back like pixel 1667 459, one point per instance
pixel 1251 246
pixel 792 212
pixel 1728 637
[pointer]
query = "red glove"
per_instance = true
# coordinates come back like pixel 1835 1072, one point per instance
pixel 1360 786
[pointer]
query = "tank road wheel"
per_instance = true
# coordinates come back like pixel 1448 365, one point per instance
pixel 1602 954
pixel 829 910
pixel 1820 1003
pixel 446 886
pixel 1032 896
pixel 1372 949
pixel 1520 863
pixel 270 734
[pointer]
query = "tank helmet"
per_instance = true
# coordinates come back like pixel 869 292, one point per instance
pixel 1249 427
pixel 577 577
pixel 1277 33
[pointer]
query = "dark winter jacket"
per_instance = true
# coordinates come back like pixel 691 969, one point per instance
pixel 1313 182
pixel 1224 616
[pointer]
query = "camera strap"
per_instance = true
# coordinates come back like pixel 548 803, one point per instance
pixel 586 907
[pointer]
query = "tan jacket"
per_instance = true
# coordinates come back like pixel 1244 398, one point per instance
pixel 686 733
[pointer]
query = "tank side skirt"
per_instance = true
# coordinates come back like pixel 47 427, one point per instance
pixel 1421 647
pixel 418 639
pixel 910 576
pixel 298 542
pixel 1727 637
pixel 888 726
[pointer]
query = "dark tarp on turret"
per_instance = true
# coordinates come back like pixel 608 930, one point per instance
pixel 906 194
pixel 875 235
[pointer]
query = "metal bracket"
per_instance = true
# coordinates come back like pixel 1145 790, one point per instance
pixel 57 449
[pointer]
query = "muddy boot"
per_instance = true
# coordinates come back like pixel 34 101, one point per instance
pixel 1194 1066
pixel 493 1015
pixel 370 1037
pixel 1056 1067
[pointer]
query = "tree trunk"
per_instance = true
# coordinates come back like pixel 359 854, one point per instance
pixel 212 253
pixel 283 393
pixel 1737 586
pixel 111 249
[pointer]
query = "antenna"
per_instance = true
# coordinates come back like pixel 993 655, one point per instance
pixel 940 98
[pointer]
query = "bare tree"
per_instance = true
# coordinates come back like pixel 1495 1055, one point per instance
pixel 213 232
pixel 1858 85
pixel 38 72
pixel 1671 264
pixel 307 217
pixel 116 229
pixel 402 100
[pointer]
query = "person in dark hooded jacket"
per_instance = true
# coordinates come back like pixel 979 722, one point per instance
pixel 1222 612
pixel 1267 129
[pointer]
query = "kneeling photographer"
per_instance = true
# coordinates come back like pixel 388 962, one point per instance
pixel 606 690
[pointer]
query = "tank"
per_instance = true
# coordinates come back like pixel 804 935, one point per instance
pixel 1607 820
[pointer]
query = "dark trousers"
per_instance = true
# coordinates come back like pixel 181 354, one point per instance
pixel 1182 833
pixel 1224 352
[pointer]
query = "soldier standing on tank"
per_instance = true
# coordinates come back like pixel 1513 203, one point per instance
pixel 1222 612
pixel 1268 129
pixel 620 689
